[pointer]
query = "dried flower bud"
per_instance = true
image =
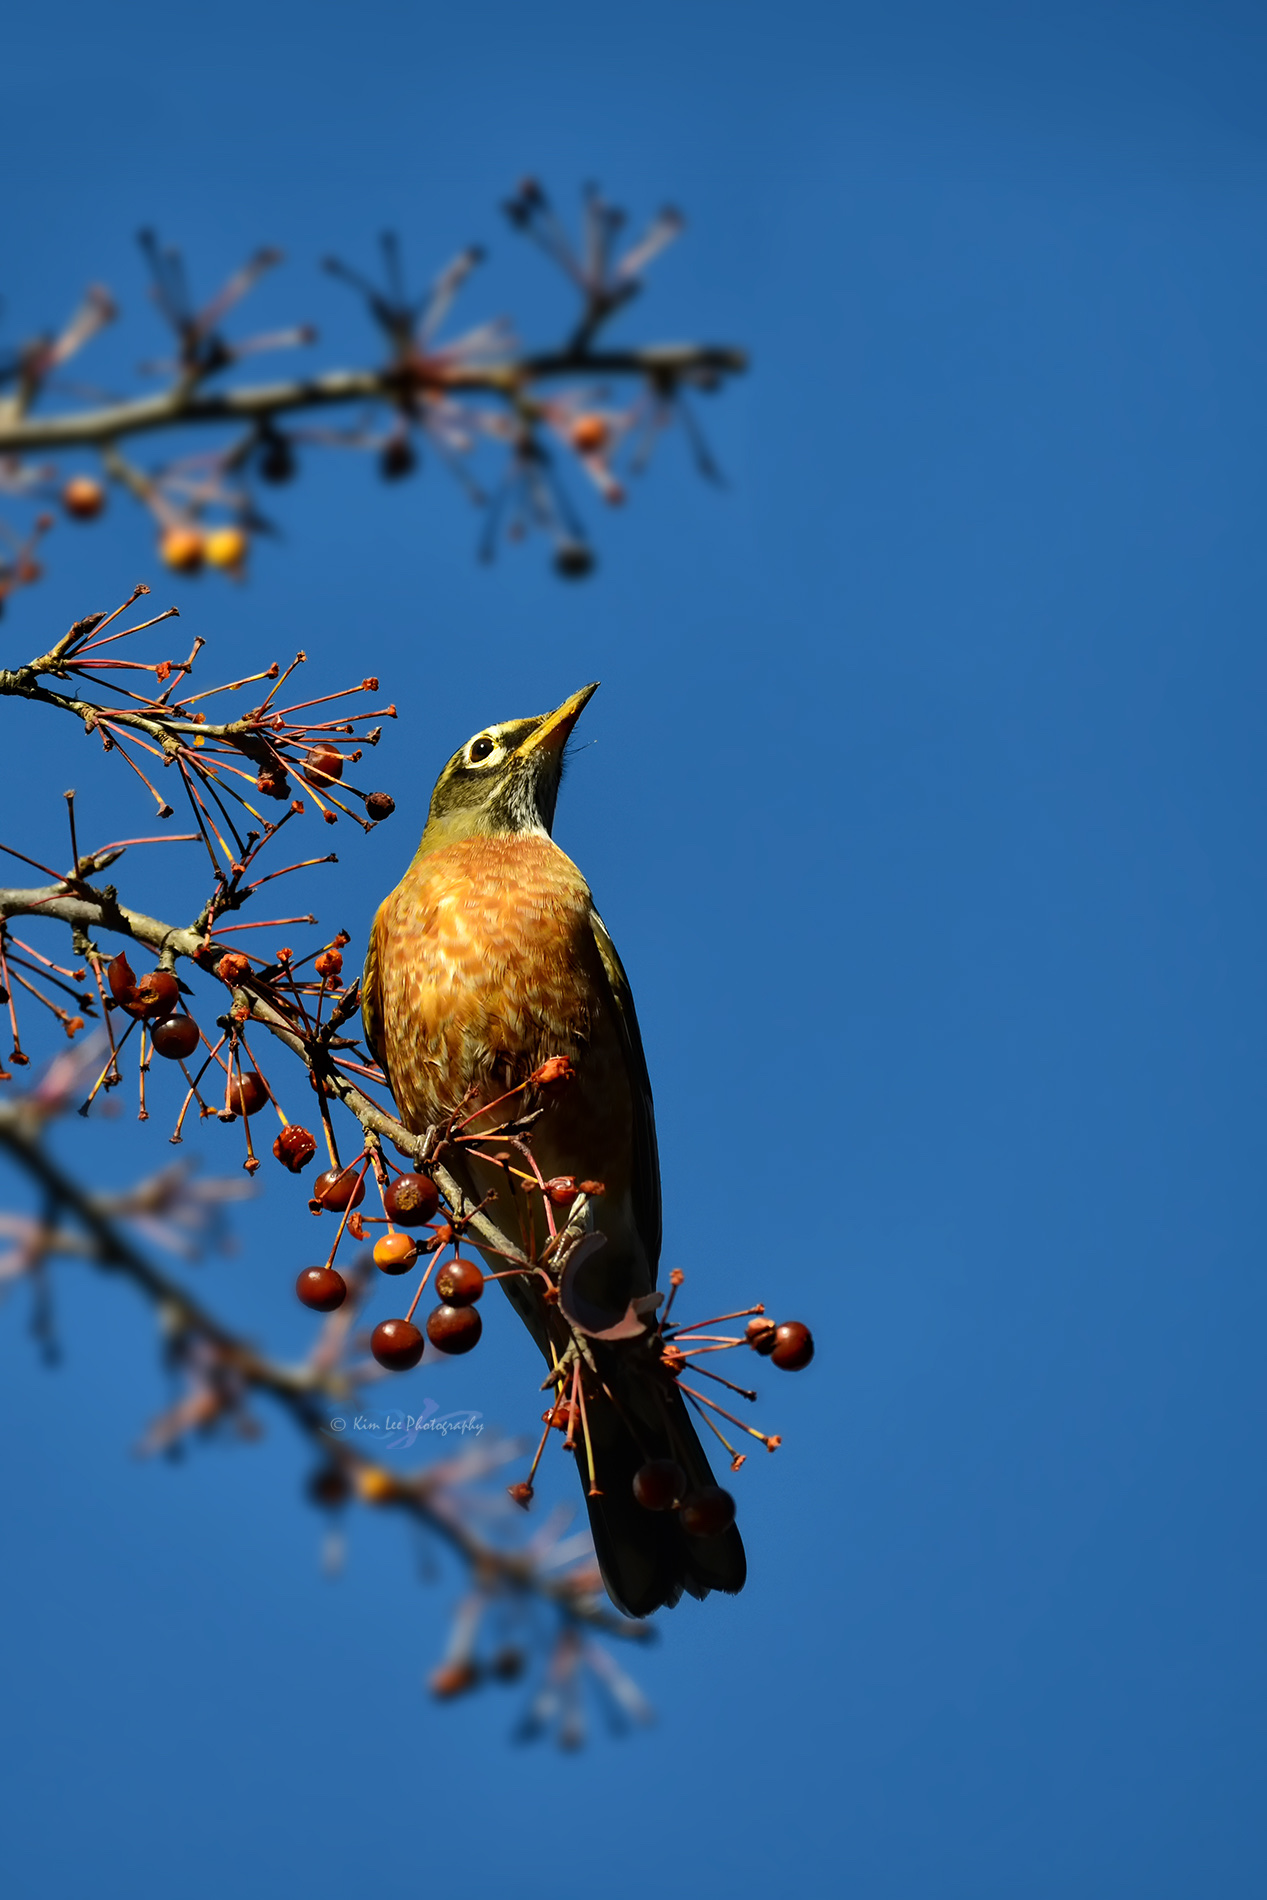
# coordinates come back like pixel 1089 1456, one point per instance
pixel 760 1335
pixel 553 1070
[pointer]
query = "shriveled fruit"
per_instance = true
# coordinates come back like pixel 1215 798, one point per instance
pixel 454 1329
pixel 247 1093
pixel 394 1253
pixel 321 764
pixel 397 1344
pixel 793 1347
pixel 460 1282
pixel 411 1200
pixel 339 1188
pixel 760 1334
pixel 660 1484
pixel 232 968
pixel 707 1512
pixel 176 1037
pixel 295 1147
pixel 329 965
pixel 379 806
pixel 321 1288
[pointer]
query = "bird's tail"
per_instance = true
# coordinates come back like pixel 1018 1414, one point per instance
pixel 646 1557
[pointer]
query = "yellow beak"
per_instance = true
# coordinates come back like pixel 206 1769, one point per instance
pixel 554 729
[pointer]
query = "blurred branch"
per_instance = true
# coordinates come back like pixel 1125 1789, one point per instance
pixel 179 406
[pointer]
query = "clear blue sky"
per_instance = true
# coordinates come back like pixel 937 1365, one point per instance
pixel 926 808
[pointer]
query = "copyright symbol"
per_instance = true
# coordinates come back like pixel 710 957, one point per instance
pixel 338 1424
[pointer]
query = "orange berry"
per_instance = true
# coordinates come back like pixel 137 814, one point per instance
pixel 589 434
pixel 232 968
pixel 394 1253
pixel 226 547
pixel 182 549
pixel 83 497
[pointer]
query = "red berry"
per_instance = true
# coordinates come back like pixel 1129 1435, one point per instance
pixel 659 1485
pixel 394 1253
pixel 397 1344
pixel 760 1334
pixel 454 1329
pixel 295 1147
pixel 794 1346
pixel 321 1288
pixel 321 764
pixel 83 497
pixel 248 1094
pixel 707 1512
pixel 379 806
pixel 411 1200
pixel 175 1037
pixel 460 1283
pixel 339 1188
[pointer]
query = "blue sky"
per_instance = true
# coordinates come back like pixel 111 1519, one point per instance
pixel 925 806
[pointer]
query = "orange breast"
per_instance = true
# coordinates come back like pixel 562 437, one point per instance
pixel 487 965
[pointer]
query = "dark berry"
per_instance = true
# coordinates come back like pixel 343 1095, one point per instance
pixel 794 1346
pixel 397 1344
pixel 321 1288
pixel 573 560
pixel 339 1188
pixel 707 1512
pixel 247 1095
pixel 321 764
pixel 328 1486
pixel 176 1037
pixel 379 806
pixel 397 460
pixel 659 1485
pixel 411 1200
pixel 454 1329
pixel 460 1283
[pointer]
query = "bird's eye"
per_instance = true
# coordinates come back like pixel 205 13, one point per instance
pixel 480 749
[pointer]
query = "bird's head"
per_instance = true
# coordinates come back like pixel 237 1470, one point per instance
pixel 505 778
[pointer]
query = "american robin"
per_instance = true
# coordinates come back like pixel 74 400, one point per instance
pixel 488 958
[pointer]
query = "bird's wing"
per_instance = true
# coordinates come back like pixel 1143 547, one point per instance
pixel 646 1156
pixel 371 1008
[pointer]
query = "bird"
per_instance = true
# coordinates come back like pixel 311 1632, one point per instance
pixel 489 958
